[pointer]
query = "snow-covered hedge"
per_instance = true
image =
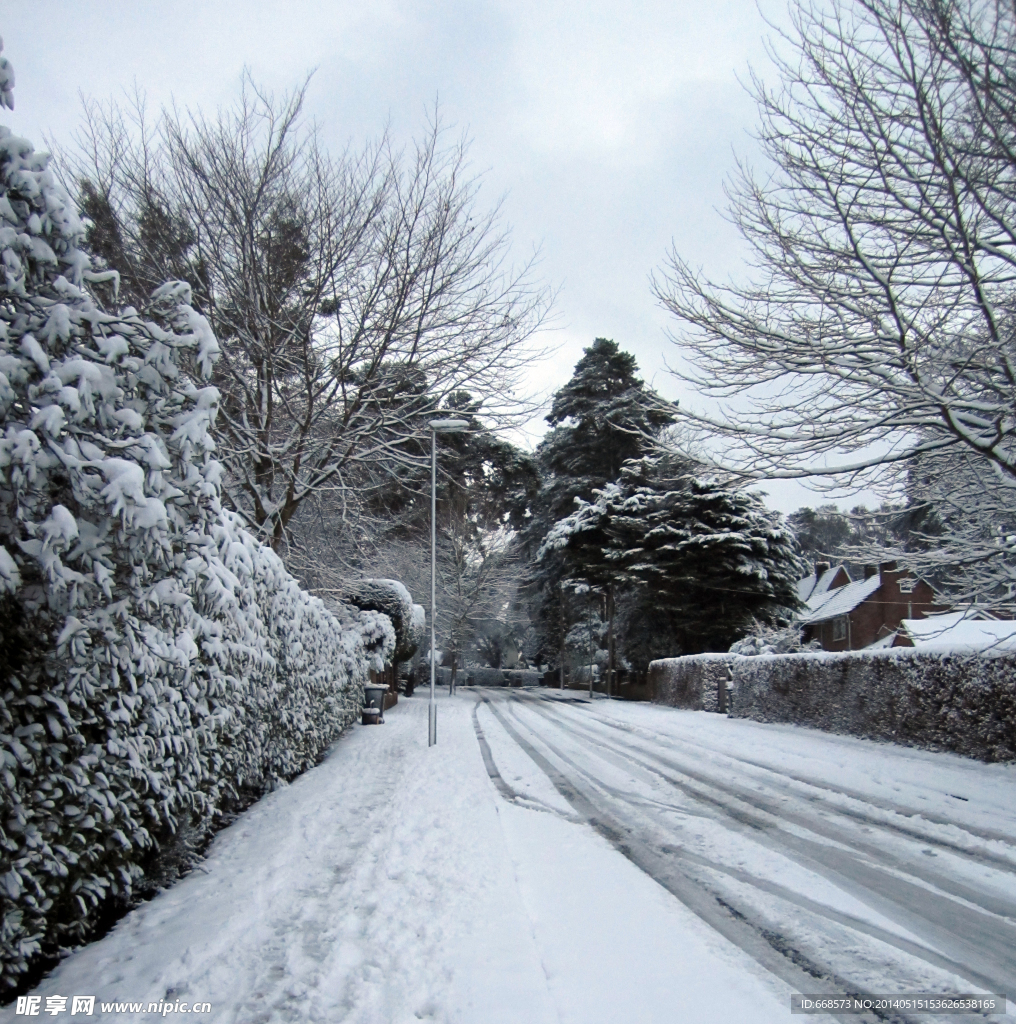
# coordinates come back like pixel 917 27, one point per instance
pixel 962 703
pixel 965 704
pixel 391 598
pixel 418 630
pixel 696 681
pixel 157 665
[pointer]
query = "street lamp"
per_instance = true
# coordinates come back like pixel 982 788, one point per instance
pixel 437 427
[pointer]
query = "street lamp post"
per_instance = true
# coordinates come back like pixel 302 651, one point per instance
pixel 436 427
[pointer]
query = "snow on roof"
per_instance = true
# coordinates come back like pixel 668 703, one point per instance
pixel 809 588
pixel 881 644
pixel 840 601
pixel 960 633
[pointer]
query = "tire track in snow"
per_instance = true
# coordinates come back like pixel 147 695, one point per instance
pixel 817 824
pixel 925 953
pixel 851 794
pixel 814 823
pixel 982 945
pixel 511 795
pixel 771 950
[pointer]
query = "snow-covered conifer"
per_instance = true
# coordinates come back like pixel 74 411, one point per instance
pixel 700 561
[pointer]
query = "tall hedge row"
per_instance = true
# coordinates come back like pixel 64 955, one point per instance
pixel 965 703
pixel 158 666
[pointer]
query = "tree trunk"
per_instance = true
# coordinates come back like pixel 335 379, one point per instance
pixel 610 637
pixel 589 630
pixel 560 652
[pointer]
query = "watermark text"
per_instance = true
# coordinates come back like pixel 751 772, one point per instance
pixel 85 1006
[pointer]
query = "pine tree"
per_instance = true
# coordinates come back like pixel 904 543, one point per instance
pixel 712 558
pixel 602 417
pixel 697 562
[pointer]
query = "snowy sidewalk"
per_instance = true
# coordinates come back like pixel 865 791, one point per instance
pixel 393 883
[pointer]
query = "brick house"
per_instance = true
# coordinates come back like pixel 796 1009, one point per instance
pixel 825 578
pixel 847 615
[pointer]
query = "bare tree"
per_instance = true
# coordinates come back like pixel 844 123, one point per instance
pixel 478 580
pixel 479 574
pixel 350 295
pixel 485 485
pixel 878 327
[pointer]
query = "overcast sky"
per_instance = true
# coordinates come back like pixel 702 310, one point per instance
pixel 609 127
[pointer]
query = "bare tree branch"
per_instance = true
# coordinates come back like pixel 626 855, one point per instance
pixel 351 296
pixel 877 328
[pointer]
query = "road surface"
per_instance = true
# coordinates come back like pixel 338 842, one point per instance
pixel 838 865
pixel 560 861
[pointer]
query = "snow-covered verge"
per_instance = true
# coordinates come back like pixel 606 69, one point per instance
pixel 966 704
pixel 158 666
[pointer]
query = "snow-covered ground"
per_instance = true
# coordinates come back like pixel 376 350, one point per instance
pixel 553 859
pixel 839 864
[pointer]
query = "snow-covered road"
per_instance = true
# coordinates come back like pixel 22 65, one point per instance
pixel 836 863
pixel 526 869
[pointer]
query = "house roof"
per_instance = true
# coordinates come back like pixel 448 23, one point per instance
pixel 882 643
pixel 811 587
pixel 958 632
pixel 839 601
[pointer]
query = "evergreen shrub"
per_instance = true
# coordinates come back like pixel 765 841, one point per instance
pixel 160 668
pixel 964 703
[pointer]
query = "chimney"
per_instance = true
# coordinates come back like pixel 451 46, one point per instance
pixel 821 567
pixel 884 568
pixel 869 571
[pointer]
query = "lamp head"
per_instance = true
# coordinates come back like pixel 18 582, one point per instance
pixel 448 426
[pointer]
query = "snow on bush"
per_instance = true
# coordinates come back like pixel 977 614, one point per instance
pixel 962 703
pixel 418 627
pixel 765 639
pixel 695 681
pixel 391 598
pixel 158 666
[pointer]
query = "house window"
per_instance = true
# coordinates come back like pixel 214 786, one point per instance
pixel 840 628
pixel 907 585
